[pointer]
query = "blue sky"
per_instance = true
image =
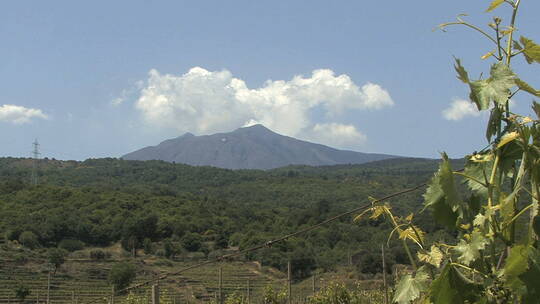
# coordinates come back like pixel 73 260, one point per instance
pixel 103 78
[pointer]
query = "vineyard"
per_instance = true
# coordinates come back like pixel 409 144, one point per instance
pixel 401 230
pixel 81 280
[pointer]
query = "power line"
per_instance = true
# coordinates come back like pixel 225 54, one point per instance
pixel 271 242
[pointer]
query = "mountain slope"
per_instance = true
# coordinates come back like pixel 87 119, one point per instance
pixel 253 147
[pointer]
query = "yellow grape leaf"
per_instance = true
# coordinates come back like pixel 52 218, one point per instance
pixel 480 158
pixel 494 4
pixel 434 257
pixel 409 217
pixel 415 236
pixel 508 137
pixel 380 210
pixel 507 31
pixel 486 56
pixel 527 120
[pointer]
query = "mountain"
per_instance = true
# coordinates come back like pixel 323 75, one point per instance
pixel 254 147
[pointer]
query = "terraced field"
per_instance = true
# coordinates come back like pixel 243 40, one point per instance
pixel 83 280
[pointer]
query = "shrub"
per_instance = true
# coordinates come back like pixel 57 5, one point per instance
pixel 71 245
pixel 21 292
pixel 191 241
pixel 99 254
pixel 29 239
pixel 121 275
pixel 56 257
pixel 147 246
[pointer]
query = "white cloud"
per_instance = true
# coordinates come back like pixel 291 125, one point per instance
pixel 18 114
pixel 460 109
pixel 338 135
pixel 203 102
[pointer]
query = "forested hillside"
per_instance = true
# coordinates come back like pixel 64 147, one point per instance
pixel 172 209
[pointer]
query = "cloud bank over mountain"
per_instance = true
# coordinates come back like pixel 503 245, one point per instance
pixel 205 102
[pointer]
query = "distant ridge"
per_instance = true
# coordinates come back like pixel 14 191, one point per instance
pixel 254 147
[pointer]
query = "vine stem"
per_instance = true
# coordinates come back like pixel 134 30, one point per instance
pixel 492 180
pixel 511 34
pixel 474 27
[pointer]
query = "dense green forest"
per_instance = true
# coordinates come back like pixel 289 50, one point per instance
pixel 172 209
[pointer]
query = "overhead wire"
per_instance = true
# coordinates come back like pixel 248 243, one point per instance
pixel 268 243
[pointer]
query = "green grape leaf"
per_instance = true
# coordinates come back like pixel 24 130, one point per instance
pixel 516 264
pixel 451 287
pixel 441 195
pixel 496 88
pixel 494 4
pixel 409 288
pixel 478 172
pixel 479 220
pixel 527 88
pixel 447 182
pixel 462 73
pixel 531 277
pixel 531 50
pixel 536 108
pixel 433 257
pixel 493 123
pixel 536 225
pixel 470 251
pixel 517 46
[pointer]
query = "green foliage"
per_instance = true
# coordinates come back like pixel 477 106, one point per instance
pixel 410 288
pixel 133 298
pixel 469 251
pixel 56 257
pixel 338 293
pixel 29 239
pixel 121 275
pixel 494 257
pixel 148 246
pixel 71 245
pixel 21 292
pixel 98 254
pixel 191 242
pixel 271 296
pixel 531 50
pixel 103 201
pixel 441 195
pixel 235 298
pixel 450 286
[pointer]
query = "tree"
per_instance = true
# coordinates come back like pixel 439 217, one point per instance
pixel 121 275
pixel 21 292
pixel 29 239
pixel 191 241
pixel 56 257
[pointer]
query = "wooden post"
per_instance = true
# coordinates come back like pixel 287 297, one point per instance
pixel 37 296
pixel 248 292
pixel 220 285
pixel 155 294
pixel 49 287
pixel 313 284
pixel 289 282
pixel 112 294
pixel 72 297
pixel 384 276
